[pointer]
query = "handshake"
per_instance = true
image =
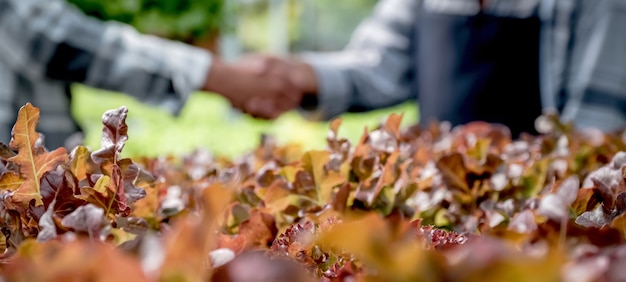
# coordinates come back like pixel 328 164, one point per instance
pixel 263 86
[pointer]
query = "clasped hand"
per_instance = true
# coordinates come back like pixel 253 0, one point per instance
pixel 263 86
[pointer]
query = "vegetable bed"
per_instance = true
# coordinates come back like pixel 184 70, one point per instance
pixel 421 204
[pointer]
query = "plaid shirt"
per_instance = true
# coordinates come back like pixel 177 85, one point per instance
pixel 583 57
pixel 47 44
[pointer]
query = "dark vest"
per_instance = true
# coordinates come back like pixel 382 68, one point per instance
pixel 479 67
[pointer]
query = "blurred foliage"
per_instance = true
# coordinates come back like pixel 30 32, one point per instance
pixel 330 27
pixel 318 25
pixel 185 20
pixel 207 121
pixel 312 24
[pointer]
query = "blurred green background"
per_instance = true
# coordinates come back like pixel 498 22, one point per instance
pixel 230 28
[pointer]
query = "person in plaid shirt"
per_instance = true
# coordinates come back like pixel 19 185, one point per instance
pixel 47 44
pixel 501 61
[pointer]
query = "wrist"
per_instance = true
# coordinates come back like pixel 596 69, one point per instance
pixel 216 76
pixel 304 77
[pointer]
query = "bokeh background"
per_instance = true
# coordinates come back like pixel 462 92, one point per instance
pixel 229 28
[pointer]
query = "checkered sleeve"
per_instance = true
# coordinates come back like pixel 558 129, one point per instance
pixel 596 78
pixel 374 70
pixel 52 39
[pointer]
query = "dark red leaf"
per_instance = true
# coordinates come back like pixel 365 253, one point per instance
pixel 340 201
pixel 60 186
pixel 130 172
pixel 114 136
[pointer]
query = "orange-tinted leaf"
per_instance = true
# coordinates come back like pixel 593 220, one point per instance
pixel 108 194
pixel 358 236
pixel 363 168
pixel 390 173
pixel 236 243
pixel 33 160
pixel 619 223
pixel 81 164
pixel 370 240
pixel 148 206
pixel 453 169
pixel 97 194
pixel 332 180
pixel 259 230
pixel 121 236
pixel 274 192
pixel 480 149
pixel 289 173
pixel 10 181
pixel 392 125
pixel 299 202
pixel 334 126
pixel 370 192
pixel 73 261
pixel 535 177
pixel 3 245
pixel 362 148
pixel 584 201
pixel 314 162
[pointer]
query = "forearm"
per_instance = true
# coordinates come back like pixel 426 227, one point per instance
pixel 147 67
pixel 355 87
pixel 375 69
pixel 49 38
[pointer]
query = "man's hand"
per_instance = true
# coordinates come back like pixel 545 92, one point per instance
pixel 300 74
pixel 263 95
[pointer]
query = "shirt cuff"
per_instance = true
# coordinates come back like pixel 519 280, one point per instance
pixel 197 70
pixel 156 71
pixel 189 71
pixel 334 95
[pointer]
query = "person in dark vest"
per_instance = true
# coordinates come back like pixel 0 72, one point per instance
pixel 499 61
